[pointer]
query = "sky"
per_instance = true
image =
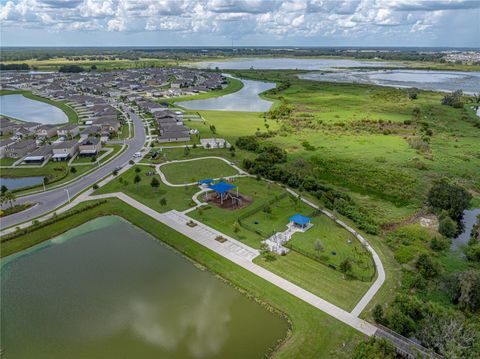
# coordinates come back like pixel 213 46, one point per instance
pixel 434 23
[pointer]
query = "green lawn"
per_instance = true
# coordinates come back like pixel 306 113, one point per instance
pixel 192 171
pixel 338 244
pixel 71 114
pixel 317 278
pixel 314 334
pixel 179 198
pixel 5 161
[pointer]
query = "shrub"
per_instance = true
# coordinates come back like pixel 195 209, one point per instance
pixel 95 186
pixel 427 267
pixel 447 227
pixel 438 243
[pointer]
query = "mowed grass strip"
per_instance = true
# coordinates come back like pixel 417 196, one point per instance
pixel 314 333
pixel 193 171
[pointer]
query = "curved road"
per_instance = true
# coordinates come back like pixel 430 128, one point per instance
pixel 52 199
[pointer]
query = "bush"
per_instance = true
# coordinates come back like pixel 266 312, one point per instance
pixel 95 186
pixel 438 243
pixel 427 267
pixel 447 227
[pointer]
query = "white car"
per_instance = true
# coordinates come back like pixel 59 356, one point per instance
pixel 137 155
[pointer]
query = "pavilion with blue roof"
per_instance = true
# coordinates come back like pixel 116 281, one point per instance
pixel 300 221
pixel 222 189
pixel 206 181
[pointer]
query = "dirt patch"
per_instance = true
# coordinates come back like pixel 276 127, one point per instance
pixel 230 200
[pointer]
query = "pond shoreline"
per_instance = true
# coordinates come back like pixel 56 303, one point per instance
pixel 199 265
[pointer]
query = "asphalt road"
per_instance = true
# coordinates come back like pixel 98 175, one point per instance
pixel 50 200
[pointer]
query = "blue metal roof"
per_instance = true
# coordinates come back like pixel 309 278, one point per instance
pixel 222 187
pixel 205 181
pixel 299 219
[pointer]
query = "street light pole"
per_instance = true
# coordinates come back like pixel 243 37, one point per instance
pixel 68 194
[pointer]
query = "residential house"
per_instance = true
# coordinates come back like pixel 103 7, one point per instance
pixel 69 131
pixel 46 131
pixel 20 148
pixel 65 150
pixel 3 146
pixel 90 131
pixel 90 146
pixel 39 155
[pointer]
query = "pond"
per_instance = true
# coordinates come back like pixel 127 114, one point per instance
pixel 285 63
pixel 449 81
pixel 108 290
pixel 25 109
pixel 247 99
pixel 20 182
pixel 469 219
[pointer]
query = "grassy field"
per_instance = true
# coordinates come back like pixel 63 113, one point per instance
pixel 71 114
pixel 193 171
pixel 358 138
pixel 178 198
pixel 314 334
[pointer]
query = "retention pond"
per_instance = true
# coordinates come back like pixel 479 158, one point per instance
pixel 108 290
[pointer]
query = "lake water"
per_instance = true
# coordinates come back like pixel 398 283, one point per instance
pixel 449 81
pixel 283 63
pixel 246 99
pixel 20 182
pixel 25 109
pixel 469 219
pixel 108 290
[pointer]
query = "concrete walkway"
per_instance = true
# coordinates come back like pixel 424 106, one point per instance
pixel 230 250
pixel 368 296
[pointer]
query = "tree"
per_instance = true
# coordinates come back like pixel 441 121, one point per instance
pixel 186 151
pixel 447 227
pixel 346 266
pixel 137 180
pixel 9 197
pixel 155 183
pixel 454 99
pixel 449 196
pixel 3 189
pixel 163 201
pixel 464 290
pixel 73 169
pixel 93 67
pixel 137 170
pixel 427 267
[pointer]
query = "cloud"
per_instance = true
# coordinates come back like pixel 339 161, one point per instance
pixel 242 19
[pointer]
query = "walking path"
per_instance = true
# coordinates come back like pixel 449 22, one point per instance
pixel 242 255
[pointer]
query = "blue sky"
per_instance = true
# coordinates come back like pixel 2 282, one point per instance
pixel 452 23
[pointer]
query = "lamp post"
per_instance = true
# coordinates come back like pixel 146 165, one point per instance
pixel 68 194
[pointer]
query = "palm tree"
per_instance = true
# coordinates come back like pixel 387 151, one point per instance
pixel 9 197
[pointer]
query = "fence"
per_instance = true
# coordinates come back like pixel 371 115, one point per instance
pixel 405 346
pixel 250 213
